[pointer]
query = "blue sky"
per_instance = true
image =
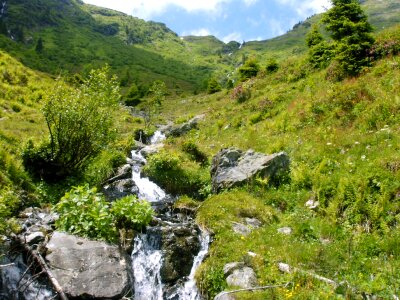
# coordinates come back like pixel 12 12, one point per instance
pixel 240 20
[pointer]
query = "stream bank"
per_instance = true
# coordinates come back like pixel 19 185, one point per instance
pixel 161 265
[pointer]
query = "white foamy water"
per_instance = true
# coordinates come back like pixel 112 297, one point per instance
pixel 148 190
pixel 147 264
pixel 20 286
pixel 190 290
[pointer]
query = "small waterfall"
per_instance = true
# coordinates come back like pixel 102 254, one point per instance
pixel 189 290
pixel 147 190
pixel 16 284
pixel 3 9
pixel 147 254
pixel 147 262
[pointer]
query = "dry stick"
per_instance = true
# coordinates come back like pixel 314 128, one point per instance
pixel 6 266
pixel 26 271
pixel 252 289
pixel 27 283
pixel 40 260
pixel 285 268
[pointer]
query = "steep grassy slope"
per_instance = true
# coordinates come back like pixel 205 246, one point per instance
pixel 75 38
pixel 22 94
pixel 381 14
pixel 343 139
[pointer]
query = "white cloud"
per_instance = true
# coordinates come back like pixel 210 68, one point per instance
pixel 198 32
pixel 148 8
pixel 234 36
pixel 276 27
pixel 250 2
pixel 306 8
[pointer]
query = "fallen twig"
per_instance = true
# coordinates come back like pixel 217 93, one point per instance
pixel 258 288
pixel 288 269
pixel 6 266
pixel 42 263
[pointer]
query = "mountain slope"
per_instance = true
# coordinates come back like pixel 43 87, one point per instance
pixel 75 40
pixel 381 14
pixel 343 140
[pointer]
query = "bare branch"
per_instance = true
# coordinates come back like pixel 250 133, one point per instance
pixel 259 288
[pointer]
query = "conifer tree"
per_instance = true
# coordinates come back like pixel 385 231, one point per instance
pixel 349 28
pixel 39 45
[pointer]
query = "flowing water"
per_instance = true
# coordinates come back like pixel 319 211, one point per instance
pixel 147 255
pixel 189 290
pixel 18 283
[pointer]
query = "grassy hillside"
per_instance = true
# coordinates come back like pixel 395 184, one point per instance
pixel 343 139
pixel 381 14
pixel 23 93
pixel 77 38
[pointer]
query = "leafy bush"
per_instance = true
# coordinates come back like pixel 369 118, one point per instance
pixel 272 66
pixel 388 43
pixel 130 212
pixel 241 93
pixel 103 166
pixel 133 96
pixel 80 126
pixel 167 170
pixel 195 153
pixel 213 86
pixel 212 281
pixel 248 70
pixel 86 213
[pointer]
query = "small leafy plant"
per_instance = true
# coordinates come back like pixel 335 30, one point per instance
pixel 130 212
pixel 85 212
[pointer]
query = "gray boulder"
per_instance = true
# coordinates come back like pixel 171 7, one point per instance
pixel 243 278
pixel 181 129
pixel 231 167
pixel 229 268
pixel 180 245
pixel 88 269
pixel 241 229
pixel 119 189
pixel 151 149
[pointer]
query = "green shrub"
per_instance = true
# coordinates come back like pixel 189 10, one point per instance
pixel 194 152
pixel 80 125
pixel 168 171
pixel 133 96
pixel 212 281
pixel 103 166
pixel 241 93
pixel 85 212
pixel 9 203
pixel 130 212
pixel 249 69
pixel 272 66
pixel 213 86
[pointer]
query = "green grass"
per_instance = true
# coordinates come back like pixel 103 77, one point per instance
pixel 343 139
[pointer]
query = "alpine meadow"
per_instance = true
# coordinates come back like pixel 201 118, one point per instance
pixel 136 163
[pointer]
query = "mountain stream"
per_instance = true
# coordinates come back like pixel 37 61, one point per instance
pixel 149 255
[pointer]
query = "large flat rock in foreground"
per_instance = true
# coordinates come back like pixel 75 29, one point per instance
pixel 232 167
pixel 88 269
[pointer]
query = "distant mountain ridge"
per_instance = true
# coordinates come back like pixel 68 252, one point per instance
pixel 77 37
